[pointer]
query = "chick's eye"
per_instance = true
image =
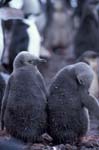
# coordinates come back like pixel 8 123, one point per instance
pixel 30 61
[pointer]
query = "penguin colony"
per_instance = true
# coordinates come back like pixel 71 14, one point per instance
pixel 28 110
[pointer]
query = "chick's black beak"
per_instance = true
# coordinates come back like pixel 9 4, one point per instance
pixel 39 61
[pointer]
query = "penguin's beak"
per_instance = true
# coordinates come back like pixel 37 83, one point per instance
pixel 38 61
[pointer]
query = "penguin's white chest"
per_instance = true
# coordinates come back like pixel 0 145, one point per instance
pixel 34 38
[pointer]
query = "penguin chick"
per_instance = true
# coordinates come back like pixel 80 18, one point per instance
pixel 69 102
pixel 24 103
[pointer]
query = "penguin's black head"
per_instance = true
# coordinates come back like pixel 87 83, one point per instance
pixel 25 58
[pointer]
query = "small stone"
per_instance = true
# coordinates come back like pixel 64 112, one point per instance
pixel 47 138
pixel 68 147
pixel 74 147
pixel 48 148
pixel 37 147
pixel 61 147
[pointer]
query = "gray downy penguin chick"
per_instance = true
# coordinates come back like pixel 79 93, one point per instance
pixel 68 118
pixel 24 103
pixel 91 58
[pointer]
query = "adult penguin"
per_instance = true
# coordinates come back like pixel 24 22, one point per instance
pixel 87 35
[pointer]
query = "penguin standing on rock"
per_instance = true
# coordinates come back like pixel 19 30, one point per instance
pixel 24 104
pixel 68 102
